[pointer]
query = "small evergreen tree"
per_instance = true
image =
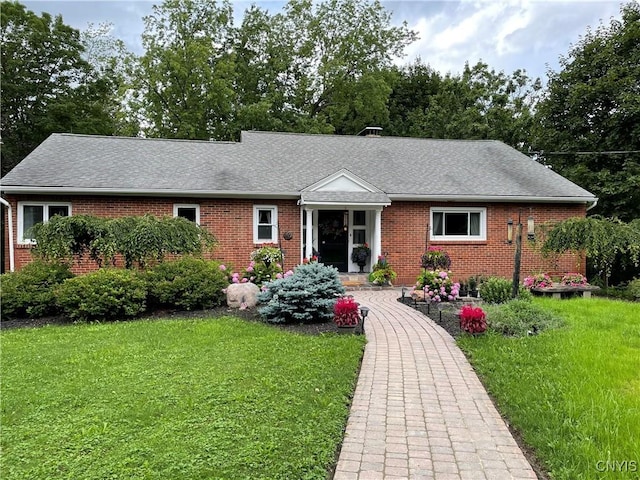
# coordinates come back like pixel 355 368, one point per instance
pixel 306 296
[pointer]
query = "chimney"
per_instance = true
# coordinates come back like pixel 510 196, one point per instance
pixel 370 132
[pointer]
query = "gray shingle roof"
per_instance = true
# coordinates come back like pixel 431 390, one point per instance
pixel 283 164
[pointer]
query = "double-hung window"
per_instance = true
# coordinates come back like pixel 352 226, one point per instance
pixel 32 213
pixel 189 211
pixel 265 224
pixel 458 223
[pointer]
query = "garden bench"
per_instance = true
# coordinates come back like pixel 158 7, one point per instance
pixel 558 291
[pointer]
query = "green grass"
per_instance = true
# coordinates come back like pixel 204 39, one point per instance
pixel 173 399
pixel 573 393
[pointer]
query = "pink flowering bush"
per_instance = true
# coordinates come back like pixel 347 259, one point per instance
pixel 574 280
pixel 540 280
pixel 472 319
pixel 345 312
pixel 437 286
pixel 265 266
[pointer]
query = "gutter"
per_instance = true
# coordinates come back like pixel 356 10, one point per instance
pixel 147 192
pixel 493 198
pixel 18 189
pixel 10 223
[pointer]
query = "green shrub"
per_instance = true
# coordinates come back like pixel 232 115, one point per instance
pixel 308 295
pixel 496 290
pixel 29 291
pixel 106 293
pixel 633 290
pixel 520 318
pixel 188 283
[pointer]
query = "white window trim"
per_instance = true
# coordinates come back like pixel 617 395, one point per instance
pixel 274 223
pixel 45 217
pixel 460 238
pixel 176 206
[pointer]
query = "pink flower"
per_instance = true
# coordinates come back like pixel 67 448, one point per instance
pixel 249 268
pixel 288 273
pixel 443 274
pixel 222 267
pixel 245 280
pixel 252 264
pixel 235 280
pixel 278 275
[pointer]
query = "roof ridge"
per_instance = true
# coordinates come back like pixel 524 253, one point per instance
pixel 394 137
pixel 122 137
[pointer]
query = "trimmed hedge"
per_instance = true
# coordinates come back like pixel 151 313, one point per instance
pixel 188 283
pixel 29 292
pixel 107 293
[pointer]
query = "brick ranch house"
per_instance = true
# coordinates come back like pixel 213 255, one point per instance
pixel 306 193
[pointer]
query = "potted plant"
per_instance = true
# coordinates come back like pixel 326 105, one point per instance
pixel 574 280
pixel 473 286
pixel 345 314
pixel 382 273
pixel 539 280
pixel 473 320
pixel 464 289
pixel 360 255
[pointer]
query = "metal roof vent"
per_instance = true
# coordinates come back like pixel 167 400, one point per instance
pixel 370 132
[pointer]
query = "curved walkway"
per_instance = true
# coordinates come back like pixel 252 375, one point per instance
pixel 419 410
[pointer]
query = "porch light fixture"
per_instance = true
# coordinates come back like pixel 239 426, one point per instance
pixel 530 228
pixel 345 221
pixel 510 231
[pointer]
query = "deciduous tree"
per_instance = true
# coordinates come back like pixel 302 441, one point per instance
pixel 593 105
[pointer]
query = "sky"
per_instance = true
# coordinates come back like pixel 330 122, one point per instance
pixel 506 34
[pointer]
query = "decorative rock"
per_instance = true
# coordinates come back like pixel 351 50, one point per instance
pixel 242 295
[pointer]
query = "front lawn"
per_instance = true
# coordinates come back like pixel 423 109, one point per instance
pixel 573 393
pixel 178 399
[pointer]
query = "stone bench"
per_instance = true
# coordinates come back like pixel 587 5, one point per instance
pixel 556 291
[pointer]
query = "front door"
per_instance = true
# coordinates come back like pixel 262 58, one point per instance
pixel 333 238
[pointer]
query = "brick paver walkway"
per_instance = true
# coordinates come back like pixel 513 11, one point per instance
pixel 419 410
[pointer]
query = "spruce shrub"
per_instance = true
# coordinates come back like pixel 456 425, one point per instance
pixel 104 294
pixel 188 283
pixel 29 291
pixel 306 296
pixel 496 290
pixel 519 318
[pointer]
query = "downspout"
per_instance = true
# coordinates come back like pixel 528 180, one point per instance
pixel 595 202
pixel 10 223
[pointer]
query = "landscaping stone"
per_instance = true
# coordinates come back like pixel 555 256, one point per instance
pixel 242 295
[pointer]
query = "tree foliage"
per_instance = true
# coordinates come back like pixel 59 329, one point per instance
pixel 593 105
pixel 602 240
pixel 46 84
pixel 478 104
pixel 139 240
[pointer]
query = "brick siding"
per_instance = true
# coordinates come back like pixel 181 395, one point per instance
pixel 404 232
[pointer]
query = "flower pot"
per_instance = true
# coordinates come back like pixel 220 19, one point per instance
pixel 361 265
pixel 473 293
pixel 348 330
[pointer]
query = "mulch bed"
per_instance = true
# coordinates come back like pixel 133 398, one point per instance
pixel 444 314
pixel 247 314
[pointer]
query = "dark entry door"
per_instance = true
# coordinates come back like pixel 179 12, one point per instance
pixel 333 238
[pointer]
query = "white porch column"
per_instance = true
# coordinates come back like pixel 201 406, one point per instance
pixel 376 249
pixel 308 251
